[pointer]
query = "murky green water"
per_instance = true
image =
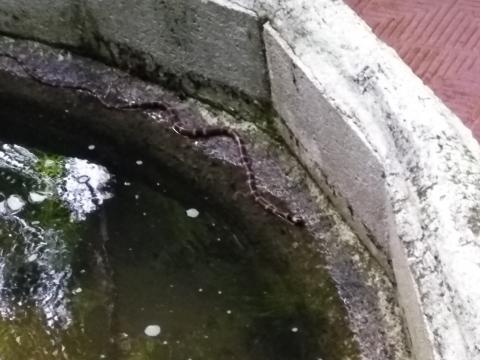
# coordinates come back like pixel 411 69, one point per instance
pixel 90 261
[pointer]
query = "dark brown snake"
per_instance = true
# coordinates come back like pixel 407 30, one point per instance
pixel 179 128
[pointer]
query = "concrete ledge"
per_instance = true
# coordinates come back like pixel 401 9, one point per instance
pixel 404 167
pixel 219 43
pixel 398 164
pixel 53 21
pixel 332 147
pixel 208 49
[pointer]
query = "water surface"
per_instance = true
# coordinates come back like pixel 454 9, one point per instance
pixel 93 261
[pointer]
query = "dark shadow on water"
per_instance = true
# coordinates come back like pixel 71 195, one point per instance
pixel 216 293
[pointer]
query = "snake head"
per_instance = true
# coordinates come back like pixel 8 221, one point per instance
pixel 297 220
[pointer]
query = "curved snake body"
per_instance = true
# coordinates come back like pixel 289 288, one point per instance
pixel 208 132
pixel 178 127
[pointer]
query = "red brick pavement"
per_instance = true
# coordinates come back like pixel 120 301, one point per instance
pixel 440 41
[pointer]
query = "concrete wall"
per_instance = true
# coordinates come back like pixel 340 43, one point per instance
pixel 398 164
pixel 54 21
pixel 401 162
pixel 198 45
pixel 341 160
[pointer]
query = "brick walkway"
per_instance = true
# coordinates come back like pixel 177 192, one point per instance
pixel 440 40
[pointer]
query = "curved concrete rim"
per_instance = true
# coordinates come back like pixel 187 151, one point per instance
pixel 399 165
pixel 33 111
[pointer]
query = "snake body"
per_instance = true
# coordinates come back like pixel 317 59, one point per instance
pixel 180 128
pixel 214 131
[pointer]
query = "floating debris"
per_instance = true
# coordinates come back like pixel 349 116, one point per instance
pixel 83 179
pixel 193 213
pixel 32 258
pixel 14 204
pixel 35 197
pixel 49 163
pixel 152 330
pixel 77 291
pixel 91 147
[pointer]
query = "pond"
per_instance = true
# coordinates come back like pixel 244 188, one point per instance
pixel 127 261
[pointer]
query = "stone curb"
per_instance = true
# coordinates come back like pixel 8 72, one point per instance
pixel 402 167
pixel 397 163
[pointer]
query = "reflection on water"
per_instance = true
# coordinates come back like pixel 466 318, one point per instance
pixel 100 267
pixel 39 231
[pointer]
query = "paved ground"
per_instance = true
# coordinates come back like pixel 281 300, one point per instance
pixel 440 40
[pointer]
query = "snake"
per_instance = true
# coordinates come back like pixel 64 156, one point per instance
pixel 180 128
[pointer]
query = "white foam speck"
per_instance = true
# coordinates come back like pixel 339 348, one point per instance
pixel 91 147
pixel 15 203
pixel 193 213
pixel 35 197
pixel 152 330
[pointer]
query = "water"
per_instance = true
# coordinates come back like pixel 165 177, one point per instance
pixel 93 261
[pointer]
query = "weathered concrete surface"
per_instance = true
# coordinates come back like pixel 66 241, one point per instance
pixel 404 164
pixel 198 45
pixel 53 21
pixel 215 42
pixel 340 159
